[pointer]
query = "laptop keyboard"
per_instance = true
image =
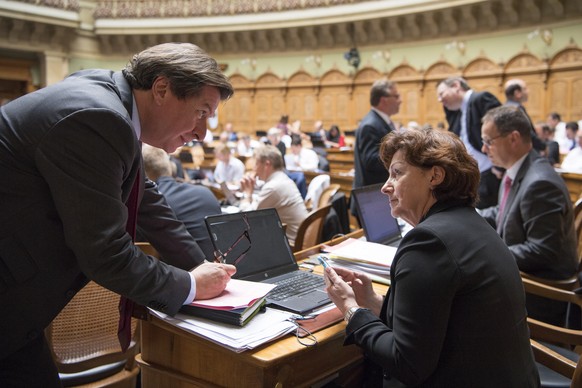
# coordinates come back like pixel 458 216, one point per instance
pixel 301 283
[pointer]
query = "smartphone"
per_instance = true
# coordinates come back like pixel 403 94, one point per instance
pixel 323 261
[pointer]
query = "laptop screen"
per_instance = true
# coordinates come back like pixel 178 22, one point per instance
pixel 269 253
pixel 375 214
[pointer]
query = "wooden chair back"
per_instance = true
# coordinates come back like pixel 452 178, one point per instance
pixel 327 194
pixel 310 230
pixel 541 331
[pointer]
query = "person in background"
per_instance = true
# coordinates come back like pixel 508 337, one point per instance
pixel 554 120
pixel 455 314
pixel 274 136
pixel 573 160
pixel 552 150
pixel 246 145
pixel 283 125
pixel 517 93
pixel 71 157
pixel 535 215
pixel 229 169
pixel 334 138
pixel 571 131
pixel 464 108
pixel 300 158
pixel 191 203
pixel 385 101
pixel 278 190
pixel 229 131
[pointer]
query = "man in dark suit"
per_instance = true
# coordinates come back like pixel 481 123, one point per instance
pixel 191 203
pixel 517 94
pixel 464 109
pixel 535 214
pixel 69 155
pixel 385 101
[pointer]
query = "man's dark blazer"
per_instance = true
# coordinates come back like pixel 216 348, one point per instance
pixel 455 314
pixel 191 203
pixel 69 157
pixel 479 103
pixel 367 165
pixel 538 225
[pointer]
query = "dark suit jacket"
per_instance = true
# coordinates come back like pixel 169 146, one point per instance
pixel 367 165
pixel 479 104
pixel 455 313
pixel 191 203
pixel 69 157
pixel 538 225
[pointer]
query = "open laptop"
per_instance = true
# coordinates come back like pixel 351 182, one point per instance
pixel 268 257
pixel 375 215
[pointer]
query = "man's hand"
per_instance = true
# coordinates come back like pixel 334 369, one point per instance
pixel 211 279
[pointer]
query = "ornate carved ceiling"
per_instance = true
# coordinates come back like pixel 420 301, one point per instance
pixel 127 26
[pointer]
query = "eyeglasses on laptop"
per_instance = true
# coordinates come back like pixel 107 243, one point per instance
pixel 221 257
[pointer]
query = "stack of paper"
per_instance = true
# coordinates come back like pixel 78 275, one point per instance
pixel 264 327
pixel 372 258
pixel 237 304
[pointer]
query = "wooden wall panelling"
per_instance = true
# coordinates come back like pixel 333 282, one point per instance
pixel 240 109
pixel 335 100
pixel 363 81
pixel 432 108
pixel 303 99
pixel 409 83
pixel 533 71
pixel 565 84
pixel 269 101
pixel 484 75
pixel 338 98
pixel 15 78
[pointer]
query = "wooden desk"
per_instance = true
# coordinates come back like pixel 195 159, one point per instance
pixel 340 160
pixel 171 357
pixel 574 184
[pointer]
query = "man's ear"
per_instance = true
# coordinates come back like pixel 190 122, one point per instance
pixel 437 175
pixel 160 89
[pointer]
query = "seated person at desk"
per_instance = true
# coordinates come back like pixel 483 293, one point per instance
pixel 455 314
pixel 334 138
pixel 535 215
pixel 246 146
pixel 278 192
pixel 301 159
pixel 573 160
pixel 191 203
pixel 552 150
pixel 229 169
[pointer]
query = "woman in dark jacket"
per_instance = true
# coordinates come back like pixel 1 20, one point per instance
pixel 455 313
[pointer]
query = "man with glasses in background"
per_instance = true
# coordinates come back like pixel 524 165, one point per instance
pixel 464 109
pixel 385 101
pixel 535 215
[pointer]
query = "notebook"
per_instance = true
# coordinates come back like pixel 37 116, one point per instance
pixel 268 259
pixel 375 215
